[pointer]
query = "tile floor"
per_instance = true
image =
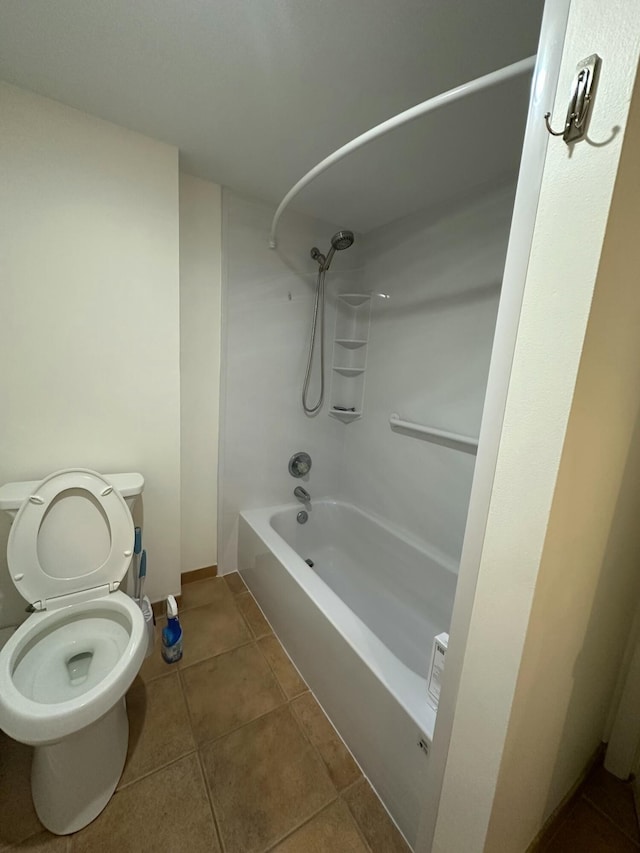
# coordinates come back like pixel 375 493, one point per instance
pixel 228 751
pixel 601 818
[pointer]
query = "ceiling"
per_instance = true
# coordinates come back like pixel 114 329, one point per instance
pixel 255 92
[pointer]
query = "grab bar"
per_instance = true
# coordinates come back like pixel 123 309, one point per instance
pixel 466 443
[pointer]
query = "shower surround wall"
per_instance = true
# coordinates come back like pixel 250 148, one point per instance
pixel 435 283
pixel 267 308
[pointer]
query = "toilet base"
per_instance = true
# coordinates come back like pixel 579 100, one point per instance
pixel 73 780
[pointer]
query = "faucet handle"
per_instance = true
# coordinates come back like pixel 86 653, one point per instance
pixel 299 464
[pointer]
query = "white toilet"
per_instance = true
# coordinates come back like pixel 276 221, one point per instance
pixel 66 669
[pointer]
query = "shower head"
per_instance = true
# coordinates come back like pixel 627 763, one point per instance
pixel 342 240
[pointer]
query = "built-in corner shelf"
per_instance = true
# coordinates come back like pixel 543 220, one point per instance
pixel 351 343
pixel 350 355
pixel 354 299
pixel 344 416
pixel 349 371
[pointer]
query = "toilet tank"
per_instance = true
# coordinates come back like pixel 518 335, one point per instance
pixel 12 495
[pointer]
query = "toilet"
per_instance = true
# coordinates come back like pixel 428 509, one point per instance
pixel 64 672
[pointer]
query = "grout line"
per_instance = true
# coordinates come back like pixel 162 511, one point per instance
pixel 323 764
pixel 364 779
pixel 209 794
pixel 151 773
pixel 173 760
pixel 610 819
pixel 245 588
pixel 273 669
pixel 298 720
pixel 298 826
pixel 313 746
pixel 335 732
pixel 353 784
pixel 200 744
pixel 353 816
pixel 209 741
pixel 287 702
pixel 13 845
pixel 181 668
pixel 186 702
pixel 270 633
pixel 155 677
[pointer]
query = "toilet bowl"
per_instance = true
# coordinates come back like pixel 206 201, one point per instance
pixel 65 670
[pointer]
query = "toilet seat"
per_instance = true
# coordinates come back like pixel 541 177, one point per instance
pixel 33 719
pixel 41 588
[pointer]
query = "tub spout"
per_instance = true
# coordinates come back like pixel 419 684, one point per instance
pixel 302 494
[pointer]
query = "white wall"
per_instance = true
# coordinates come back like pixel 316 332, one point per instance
pixel 200 285
pixel 435 285
pixel 89 309
pixel 556 570
pixel 267 305
pixel 588 582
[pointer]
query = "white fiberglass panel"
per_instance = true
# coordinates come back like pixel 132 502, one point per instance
pixel 377 704
pixel 401 591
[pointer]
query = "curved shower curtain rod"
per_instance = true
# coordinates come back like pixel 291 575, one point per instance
pixel 493 78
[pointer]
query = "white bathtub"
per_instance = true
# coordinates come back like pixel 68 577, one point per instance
pixel 359 626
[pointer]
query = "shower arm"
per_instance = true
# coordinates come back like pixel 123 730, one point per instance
pixel 523 66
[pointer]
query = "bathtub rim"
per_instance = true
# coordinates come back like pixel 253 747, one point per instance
pixel 407 687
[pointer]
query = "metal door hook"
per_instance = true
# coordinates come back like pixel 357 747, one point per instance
pixel 582 93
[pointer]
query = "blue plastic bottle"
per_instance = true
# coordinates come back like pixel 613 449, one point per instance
pixel 172 634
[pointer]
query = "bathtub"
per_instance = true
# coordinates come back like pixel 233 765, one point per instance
pixel 359 625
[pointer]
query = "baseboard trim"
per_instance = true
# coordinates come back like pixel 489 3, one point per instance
pixel 560 812
pixel 185 577
pixel 199 574
pixel 160 607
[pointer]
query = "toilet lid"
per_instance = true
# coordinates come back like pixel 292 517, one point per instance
pixel 74 533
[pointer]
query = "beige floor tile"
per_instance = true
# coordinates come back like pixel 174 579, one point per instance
pixel 252 613
pixel 235 583
pixel 159 730
pixel 18 819
pixel 168 810
pixel 288 676
pixel 342 768
pixel 266 780
pixel 229 690
pixel 154 666
pixel 212 629
pixel 332 831
pixel 45 842
pixel 207 591
pixel 585 829
pixel 376 825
